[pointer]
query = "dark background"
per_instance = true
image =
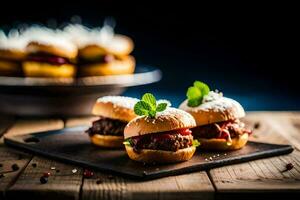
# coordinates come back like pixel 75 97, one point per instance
pixel 246 51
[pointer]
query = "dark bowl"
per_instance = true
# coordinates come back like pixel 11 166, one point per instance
pixel 66 96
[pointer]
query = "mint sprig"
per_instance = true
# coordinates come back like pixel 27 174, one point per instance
pixel 196 93
pixel 148 106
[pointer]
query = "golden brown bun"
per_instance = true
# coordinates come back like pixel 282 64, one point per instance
pixel 17 55
pixel 35 47
pixel 115 107
pixel 10 68
pixel 38 69
pixel 170 119
pixel 160 156
pixel 223 109
pixel 120 45
pixel 221 144
pixel 115 67
pixel 108 141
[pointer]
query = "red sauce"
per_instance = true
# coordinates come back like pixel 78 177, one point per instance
pixel 55 60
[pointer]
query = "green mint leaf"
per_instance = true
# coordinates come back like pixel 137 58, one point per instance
pixel 196 143
pixel 150 99
pixel 203 87
pixel 161 107
pixel 194 96
pixel 142 108
pixel 152 113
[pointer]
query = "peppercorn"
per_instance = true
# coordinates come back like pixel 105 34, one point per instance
pixel 289 166
pixel 1 175
pixel 46 174
pixel 43 179
pixel 15 167
pixel 99 181
pixel 34 165
pixel 256 125
pixel 88 173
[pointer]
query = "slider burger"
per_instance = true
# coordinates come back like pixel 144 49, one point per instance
pixel 114 113
pixel 217 117
pixel 50 54
pixel 160 135
pixel 101 52
pixel 12 53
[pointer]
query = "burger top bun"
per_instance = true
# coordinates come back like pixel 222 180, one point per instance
pixel 99 41
pixel 168 120
pixel 115 107
pixel 53 42
pixel 120 45
pixel 215 108
pixel 12 47
pixel 52 49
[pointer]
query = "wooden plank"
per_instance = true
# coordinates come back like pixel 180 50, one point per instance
pixel 80 121
pixel 62 184
pixel 187 186
pixel 265 175
pixel 25 126
pixel 10 156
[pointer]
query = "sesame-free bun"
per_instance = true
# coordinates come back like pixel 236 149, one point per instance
pixel 168 120
pixel 10 68
pixel 115 107
pixel 107 141
pixel 39 69
pixel 48 48
pixel 221 144
pixel 126 65
pixel 119 45
pixel 221 109
pixel 160 156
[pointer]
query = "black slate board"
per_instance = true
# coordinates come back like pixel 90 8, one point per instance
pixel 73 145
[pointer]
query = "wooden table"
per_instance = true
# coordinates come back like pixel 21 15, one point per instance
pixel 258 179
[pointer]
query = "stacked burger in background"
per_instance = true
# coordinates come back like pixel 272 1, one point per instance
pixel 74 51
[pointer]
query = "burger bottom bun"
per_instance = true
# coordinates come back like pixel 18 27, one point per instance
pixel 39 69
pixel 108 141
pixel 221 144
pixel 116 67
pixel 160 156
pixel 10 68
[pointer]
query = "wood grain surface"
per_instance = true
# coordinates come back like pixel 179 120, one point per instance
pixel 258 179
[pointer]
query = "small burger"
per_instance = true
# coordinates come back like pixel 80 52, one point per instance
pixel 101 52
pixel 12 53
pixel 114 113
pixel 161 134
pixel 50 54
pixel 217 117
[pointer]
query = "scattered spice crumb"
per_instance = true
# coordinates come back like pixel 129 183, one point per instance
pixel 15 167
pixel 256 125
pixel 289 166
pixel 206 159
pixel 52 168
pixel 74 171
pixel 218 155
pixel 210 158
pixel 34 165
pixel 43 180
pixel 88 173
pixel 46 174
